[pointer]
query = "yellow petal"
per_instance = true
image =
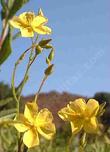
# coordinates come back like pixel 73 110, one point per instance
pixel 78 106
pixel 92 108
pixel 27 17
pixel 30 138
pixel 39 20
pixel 31 110
pixel 23 125
pixel 17 22
pixel 47 130
pixel 91 125
pixel 27 32
pixel 76 126
pixel 42 30
pixel 66 114
pixel 44 123
pixel 44 116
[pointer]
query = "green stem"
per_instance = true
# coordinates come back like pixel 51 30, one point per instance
pixel 82 142
pixel 26 73
pixel 40 87
pixel 13 76
pixel 24 81
pixel 8 122
pixel 69 143
pixel 30 62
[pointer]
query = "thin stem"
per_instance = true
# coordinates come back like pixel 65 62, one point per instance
pixel 36 39
pixel 69 143
pixel 82 142
pixel 40 87
pixel 8 122
pixel 30 62
pixel 24 80
pixel 13 76
pixel 13 87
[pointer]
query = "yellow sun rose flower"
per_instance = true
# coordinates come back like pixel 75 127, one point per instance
pixel 28 24
pixel 33 123
pixel 81 115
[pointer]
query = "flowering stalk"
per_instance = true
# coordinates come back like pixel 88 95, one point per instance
pixel 13 76
pixel 40 87
pixel 33 122
pixel 82 142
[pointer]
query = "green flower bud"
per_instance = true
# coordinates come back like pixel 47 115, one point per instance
pixel 38 49
pixel 49 70
pixel 51 55
pixel 44 42
pixel 48 61
pixel 48 46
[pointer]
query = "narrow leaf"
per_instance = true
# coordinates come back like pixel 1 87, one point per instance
pixel 5 51
pixel 17 4
pixel 7 112
pixel 5 101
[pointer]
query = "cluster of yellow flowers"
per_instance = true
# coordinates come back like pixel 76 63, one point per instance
pixel 80 114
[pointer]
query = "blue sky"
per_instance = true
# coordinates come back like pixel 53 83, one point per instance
pixel 81 37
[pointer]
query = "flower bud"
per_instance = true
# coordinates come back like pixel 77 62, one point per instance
pixel 40 12
pixel 44 42
pixel 51 55
pixel 49 70
pixel 48 61
pixel 38 49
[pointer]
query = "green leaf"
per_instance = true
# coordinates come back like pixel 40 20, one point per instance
pixel 6 50
pixel 17 4
pixel 4 9
pixel 7 112
pixel 10 3
pixel 3 4
pixel 3 102
pixel 9 116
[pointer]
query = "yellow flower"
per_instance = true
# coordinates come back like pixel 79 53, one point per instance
pixel 28 23
pixel 34 122
pixel 81 115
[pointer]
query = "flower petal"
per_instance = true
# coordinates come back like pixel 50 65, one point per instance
pixel 42 30
pixel 22 126
pixel 31 110
pixel 91 126
pixel 44 116
pixel 78 106
pixel 27 32
pixel 66 114
pixel 44 123
pixel 39 20
pixel 30 138
pixel 17 22
pixel 92 108
pixel 27 17
pixel 47 130
pixel 76 126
